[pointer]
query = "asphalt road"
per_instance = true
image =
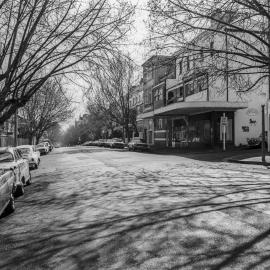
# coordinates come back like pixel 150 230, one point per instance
pixel 92 208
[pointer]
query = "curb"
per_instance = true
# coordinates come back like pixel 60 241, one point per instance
pixel 247 162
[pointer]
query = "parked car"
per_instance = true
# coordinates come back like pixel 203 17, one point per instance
pixel 11 159
pixel 57 145
pixel 43 148
pixel 48 143
pixel 257 142
pixel 7 190
pixel 30 153
pixel 102 142
pixel 138 144
pixel 116 143
pixel 88 143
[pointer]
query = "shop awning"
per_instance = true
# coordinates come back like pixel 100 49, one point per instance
pixel 194 107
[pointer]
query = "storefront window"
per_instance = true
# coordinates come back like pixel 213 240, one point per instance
pixel 199 131
pixel 180 130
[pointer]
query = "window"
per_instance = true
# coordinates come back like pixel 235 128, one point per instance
pixel 201 55
pixel 148 98
pixel 170 97
pixel 189 88
pixel 188 63
pixel 25 150
pixel 17 155
pixel 160 124
pixel 180 91
pixel 212 48
pixel 6 157
pixel 158 94
pixel 201 84
pixel 181 67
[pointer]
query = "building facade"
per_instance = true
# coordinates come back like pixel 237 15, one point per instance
pixel 156 71
pixel 185 107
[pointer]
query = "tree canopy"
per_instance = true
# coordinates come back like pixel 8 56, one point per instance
pixel 41 39
pixel 241 25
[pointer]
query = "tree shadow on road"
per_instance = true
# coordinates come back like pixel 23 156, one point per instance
pixel 149 224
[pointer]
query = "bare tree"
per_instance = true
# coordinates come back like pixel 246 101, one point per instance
pixel 46 38
pixel 110 90
pixel 46 109
pixel 54 133
pixel 242 27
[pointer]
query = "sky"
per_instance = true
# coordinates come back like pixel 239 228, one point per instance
pixel 134 47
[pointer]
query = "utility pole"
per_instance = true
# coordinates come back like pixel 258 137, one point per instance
pixel 15 129
pixel 263 134
pixel 227 66
pixel 268 101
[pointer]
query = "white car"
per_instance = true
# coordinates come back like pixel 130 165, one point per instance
pixel 43 148
pixel 11 159
pixel 30 153
pixel 7 189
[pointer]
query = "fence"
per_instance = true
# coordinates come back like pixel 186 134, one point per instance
pixel 9 141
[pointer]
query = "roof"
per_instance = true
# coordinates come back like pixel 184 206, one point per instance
pixel 157 58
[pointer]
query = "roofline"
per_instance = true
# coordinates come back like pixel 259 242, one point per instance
pixel 156 56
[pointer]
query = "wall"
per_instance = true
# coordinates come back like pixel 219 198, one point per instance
pixel 201 96
pixel 248 122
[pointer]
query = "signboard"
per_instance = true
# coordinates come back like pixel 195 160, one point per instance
pixel 224 121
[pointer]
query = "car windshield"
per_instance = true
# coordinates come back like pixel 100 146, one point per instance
pixel 25 150
pixel 6 157
pixel 41 145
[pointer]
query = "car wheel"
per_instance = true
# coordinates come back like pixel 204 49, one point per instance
pixel 11 205
pixel 29 182
pixel 19 191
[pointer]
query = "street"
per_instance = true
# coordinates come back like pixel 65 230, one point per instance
pixel 96 208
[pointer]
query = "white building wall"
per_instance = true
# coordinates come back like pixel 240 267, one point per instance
pixel 248 122
pixel 201 96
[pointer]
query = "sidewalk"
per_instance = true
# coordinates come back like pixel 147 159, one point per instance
pixel 217 155
pixel 250 158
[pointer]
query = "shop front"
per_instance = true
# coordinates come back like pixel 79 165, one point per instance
pixel 191 124
pixel 198 131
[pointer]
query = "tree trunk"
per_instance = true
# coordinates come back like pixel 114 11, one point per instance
pixel 127 131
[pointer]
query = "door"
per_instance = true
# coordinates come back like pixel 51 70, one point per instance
pixel 4 192
pixel 22 165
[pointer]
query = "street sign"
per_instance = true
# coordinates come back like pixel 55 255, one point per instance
pixel 224 120
pixel 223 124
